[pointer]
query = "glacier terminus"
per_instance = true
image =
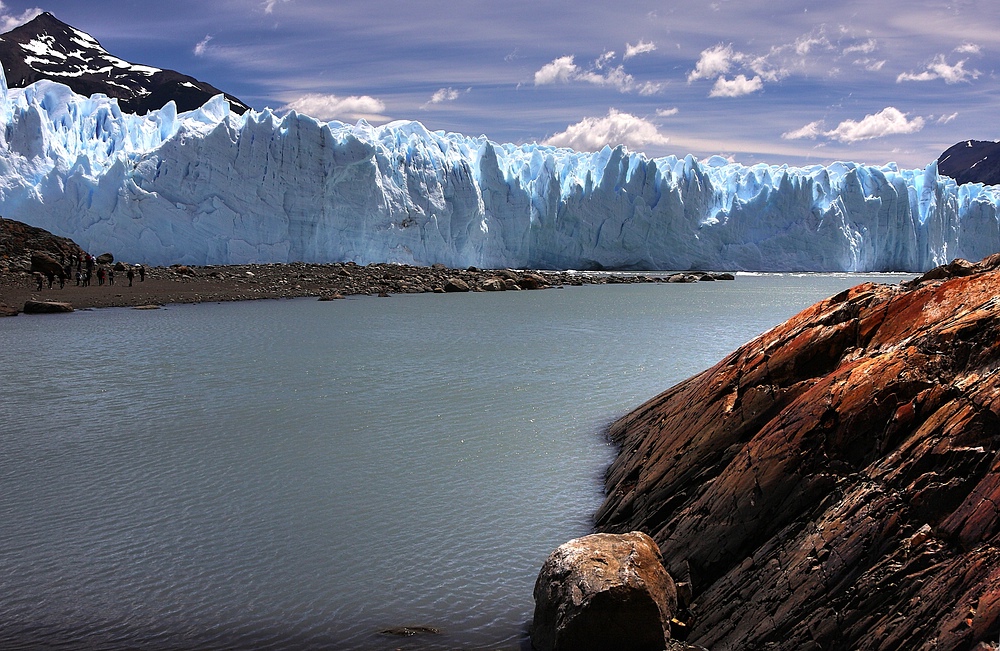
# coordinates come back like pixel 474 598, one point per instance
pixel 210 186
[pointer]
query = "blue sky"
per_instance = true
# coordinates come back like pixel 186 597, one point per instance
pixel 776 82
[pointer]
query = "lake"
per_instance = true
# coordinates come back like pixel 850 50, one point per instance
pixel 302 475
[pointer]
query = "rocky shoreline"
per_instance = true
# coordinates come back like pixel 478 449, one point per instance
pixel 833 484
pixel 22 246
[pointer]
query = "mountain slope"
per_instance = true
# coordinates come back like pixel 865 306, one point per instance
pixel 972 161
pixel 47 48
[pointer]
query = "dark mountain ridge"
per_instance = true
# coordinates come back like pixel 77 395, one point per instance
pixel 972 161
pixel 47 48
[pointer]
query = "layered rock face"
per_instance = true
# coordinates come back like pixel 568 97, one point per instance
pixel 835 483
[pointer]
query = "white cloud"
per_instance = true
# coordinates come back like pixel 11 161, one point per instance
pixel 642 47
pixel 604 59
pixel 939 69
pixel 615 77
pixel 10 21
pixel 269 5
pixel 559 70
pixel 649 88
pixel 616 128
pixel 867 47
pixel 812 131
pixel 805 44
pixel 444 95
pixel 945 119
pixel 202 45
pixel 713 62
pixel 564 70
pixel 331 107
pixel 736 87
pixel 871 65
pixel 666 113
pixel 887 122
pixel 968 48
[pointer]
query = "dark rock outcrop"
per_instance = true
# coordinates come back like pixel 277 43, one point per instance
pixel 606 592
pixel 835 483
pixel 19 241
pixel 44 264
pixel 972 161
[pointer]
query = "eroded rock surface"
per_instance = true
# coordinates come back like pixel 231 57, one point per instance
pixel 603 591
pixel 835 483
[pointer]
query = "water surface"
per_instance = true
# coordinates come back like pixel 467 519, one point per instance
pixel 301 475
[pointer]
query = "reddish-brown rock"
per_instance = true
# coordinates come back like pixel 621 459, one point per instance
pixel 835 483
pixel 604 592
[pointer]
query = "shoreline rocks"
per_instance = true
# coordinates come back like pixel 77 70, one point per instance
pixel 834 483
pixel 46 307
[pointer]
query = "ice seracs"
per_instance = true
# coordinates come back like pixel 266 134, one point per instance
pixel 213 187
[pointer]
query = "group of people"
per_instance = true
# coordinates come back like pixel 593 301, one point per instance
pixel 86 268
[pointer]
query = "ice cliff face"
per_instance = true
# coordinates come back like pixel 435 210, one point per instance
pixel 213 187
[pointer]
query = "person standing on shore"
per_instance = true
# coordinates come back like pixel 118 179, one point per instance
pixel 142 273
pixel 130 275
pixel 111 276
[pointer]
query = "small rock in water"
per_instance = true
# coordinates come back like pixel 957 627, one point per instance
pixel 410 631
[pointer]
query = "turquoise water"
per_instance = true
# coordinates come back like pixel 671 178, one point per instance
pixel 301 475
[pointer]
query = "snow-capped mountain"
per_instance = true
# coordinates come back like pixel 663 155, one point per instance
pixel 972 161
pixel 212 187
pixel 47 48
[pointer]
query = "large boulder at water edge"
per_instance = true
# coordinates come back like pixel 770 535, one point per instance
pixel 835 483
pixel 46 307
pixel 604 592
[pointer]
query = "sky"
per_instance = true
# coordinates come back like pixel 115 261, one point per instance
pixel 777 82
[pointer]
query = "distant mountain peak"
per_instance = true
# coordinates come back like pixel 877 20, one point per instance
pixel 47 48
pixel 972 161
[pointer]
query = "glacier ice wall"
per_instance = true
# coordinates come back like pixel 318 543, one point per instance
pixel 212 187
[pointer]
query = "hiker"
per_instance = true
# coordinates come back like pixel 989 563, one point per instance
pixel 130 275
pixel 142 273
pixel 111 276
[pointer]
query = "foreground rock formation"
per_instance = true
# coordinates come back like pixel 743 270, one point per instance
pixel 604 591
pixel 835 483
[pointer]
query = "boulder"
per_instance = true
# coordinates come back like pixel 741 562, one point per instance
pixel 105 258
pixel 455 285
pixel 7 310
pixel 493 285
pixel 46 307
pixel 603 591
pixel 532 281
pixel 45 264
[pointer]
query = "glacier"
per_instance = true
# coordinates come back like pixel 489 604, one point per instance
pixel 213 187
